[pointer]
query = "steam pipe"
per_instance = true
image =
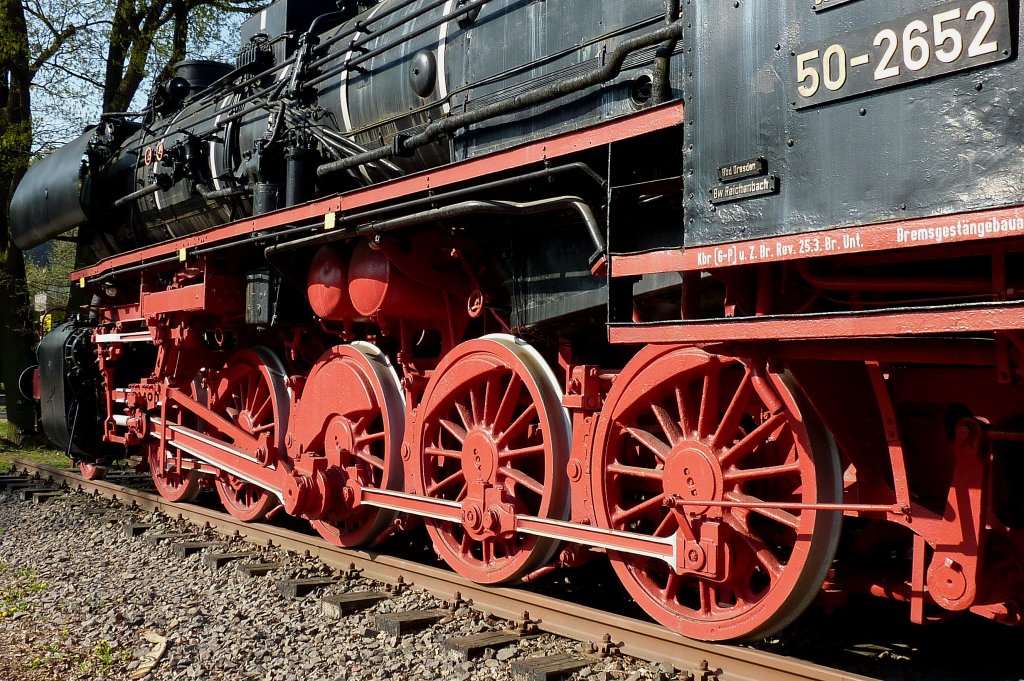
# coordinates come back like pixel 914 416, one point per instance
pixel 610 70
pixel 138 194
pixel 467 208
pixel 663 58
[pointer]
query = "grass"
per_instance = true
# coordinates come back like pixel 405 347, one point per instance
pixel 10 450
pixel 20 582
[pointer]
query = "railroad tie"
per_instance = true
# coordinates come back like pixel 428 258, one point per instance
pixel 258 569
pixel 16 487
pixel 472 647
pixel 341 605
pixel 184 549
pixel 43 497
pixel 402 623
pixel 297 588
pixel 26 493
pixel 132 530
pixel 547 668
pixel 219 560
pixel 155 539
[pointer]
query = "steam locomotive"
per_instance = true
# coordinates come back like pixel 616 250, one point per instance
pixel 723 291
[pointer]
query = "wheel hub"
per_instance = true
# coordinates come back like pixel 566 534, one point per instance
pixel 480 458
pixel 340 437
pixel 692 473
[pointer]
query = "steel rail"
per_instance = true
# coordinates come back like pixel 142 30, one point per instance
pixel 639 639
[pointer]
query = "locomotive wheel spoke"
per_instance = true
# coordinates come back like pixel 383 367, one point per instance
pixel 751 442
pixel 739 476
pixel 625 516
pixel 734 413
pixel 668 525
pixel 509 401
pixel 522 479
pixel 370 438
pixel 441 453
pixel 636 472
pixel 494 438
pixel 764 555
pixel 371 459
pixel 708 421
pixel 778 515
pixel 743 436
pixel 457 431
pixel 686 420
pixel 458 476
pixel 466 415
pixel 517 427
pixel 532 450
pixel 650 441
pixel 667 423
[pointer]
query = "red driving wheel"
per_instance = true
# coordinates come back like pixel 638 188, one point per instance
pixel 251 393
pixel 495 439
pixel 360 399
pixel 681 426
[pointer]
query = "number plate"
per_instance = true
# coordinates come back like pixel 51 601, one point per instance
pixel 955 36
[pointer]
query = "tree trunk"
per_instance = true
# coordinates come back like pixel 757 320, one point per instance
pixel 16 335
pixel 16 338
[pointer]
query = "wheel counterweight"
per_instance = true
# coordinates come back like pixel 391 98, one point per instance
pixel 682 427
pixel 354 401
pixel 493 437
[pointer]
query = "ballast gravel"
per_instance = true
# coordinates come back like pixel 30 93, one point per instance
pixel 78 598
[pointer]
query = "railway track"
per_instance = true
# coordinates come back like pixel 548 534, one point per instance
pixel 639 639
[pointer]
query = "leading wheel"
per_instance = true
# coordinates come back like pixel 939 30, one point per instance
pixel 682 427
pixel 495 439
pixel 173 482
pixel 251 393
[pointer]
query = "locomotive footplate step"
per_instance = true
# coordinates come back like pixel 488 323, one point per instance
pixel 297 588
pixel 219 560
pixel 340 605
pixel 185 549
pixel 472 647
pixel 43 497
pixel 155 539
pixel 547 668
pixel 258 569
pixel 402 623
pixel 136 529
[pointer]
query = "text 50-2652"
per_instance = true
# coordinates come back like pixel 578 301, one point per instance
pixel 952 37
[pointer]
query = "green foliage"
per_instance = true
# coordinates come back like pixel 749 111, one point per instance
pixel 19 585
pixel 51 274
